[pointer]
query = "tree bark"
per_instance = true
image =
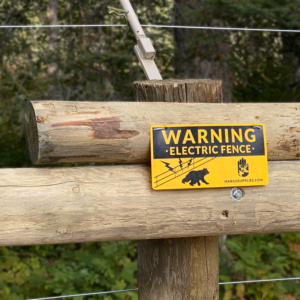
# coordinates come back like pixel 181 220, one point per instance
pixel 176 269
pixel 52 69
pixel 196 57
pixel 291 55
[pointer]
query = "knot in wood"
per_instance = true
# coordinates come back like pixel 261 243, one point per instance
pixel 40 119
pixel 76 189
pixel 62 230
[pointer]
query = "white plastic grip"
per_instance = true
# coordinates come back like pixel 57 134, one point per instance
pixel 144 49
pixel 148 65
pixel 132 19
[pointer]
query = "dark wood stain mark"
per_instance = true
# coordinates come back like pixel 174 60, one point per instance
pixel 293 129
pixel 103 128
pixel 46 147
pixel 285 145
pixel 289 145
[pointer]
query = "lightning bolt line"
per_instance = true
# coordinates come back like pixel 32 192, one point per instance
pixel 187 171
pixel 172 174
pixel 180 163
pixel 175 168
pixel 186 168
pixel 167 165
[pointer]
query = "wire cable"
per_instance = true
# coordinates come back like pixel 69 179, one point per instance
pixel 261 280
pixel 134 290
pixel 224 28
pixel 63 26
pixel 86 294
pixel 154 26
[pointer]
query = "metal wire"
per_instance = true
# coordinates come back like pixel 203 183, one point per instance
pixel 261 280
pixel 63 26
pixel 224 28
pixel 87 294
pixel 153 26
pixel 134 290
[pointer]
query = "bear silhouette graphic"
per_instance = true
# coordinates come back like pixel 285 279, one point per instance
pixel 195 177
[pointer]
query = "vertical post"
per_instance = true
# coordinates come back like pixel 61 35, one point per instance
pixel 183 268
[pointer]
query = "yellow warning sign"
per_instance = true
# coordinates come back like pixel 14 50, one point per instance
pixel 208 156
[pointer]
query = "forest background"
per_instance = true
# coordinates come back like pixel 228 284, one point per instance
pixel 98 64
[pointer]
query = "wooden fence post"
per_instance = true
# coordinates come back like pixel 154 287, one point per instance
pixel 184 268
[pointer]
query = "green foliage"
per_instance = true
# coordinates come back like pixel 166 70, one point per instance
pixel 13 152
pixel 265 66
pixel 99 64
pixel 260 60
pixel 92 63
pixel 39 271
pixel 258 256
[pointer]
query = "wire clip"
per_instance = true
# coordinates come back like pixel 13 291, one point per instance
pixel 118 12
pixel 144 49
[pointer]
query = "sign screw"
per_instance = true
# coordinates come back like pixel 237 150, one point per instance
pixel 236 194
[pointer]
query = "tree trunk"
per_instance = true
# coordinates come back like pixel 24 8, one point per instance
pixel 53 35
pixel 291 55
pixel 196 56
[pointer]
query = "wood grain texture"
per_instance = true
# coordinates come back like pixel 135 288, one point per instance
pixel 173 269
pixel 179 269
pixel 119 131
pixel 179 90
pixel 66 205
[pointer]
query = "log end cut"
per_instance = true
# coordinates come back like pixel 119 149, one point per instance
pixel 31 130
pixel 179 90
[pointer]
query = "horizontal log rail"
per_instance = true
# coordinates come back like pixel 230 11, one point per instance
pixel 82 204
pixel 118 132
